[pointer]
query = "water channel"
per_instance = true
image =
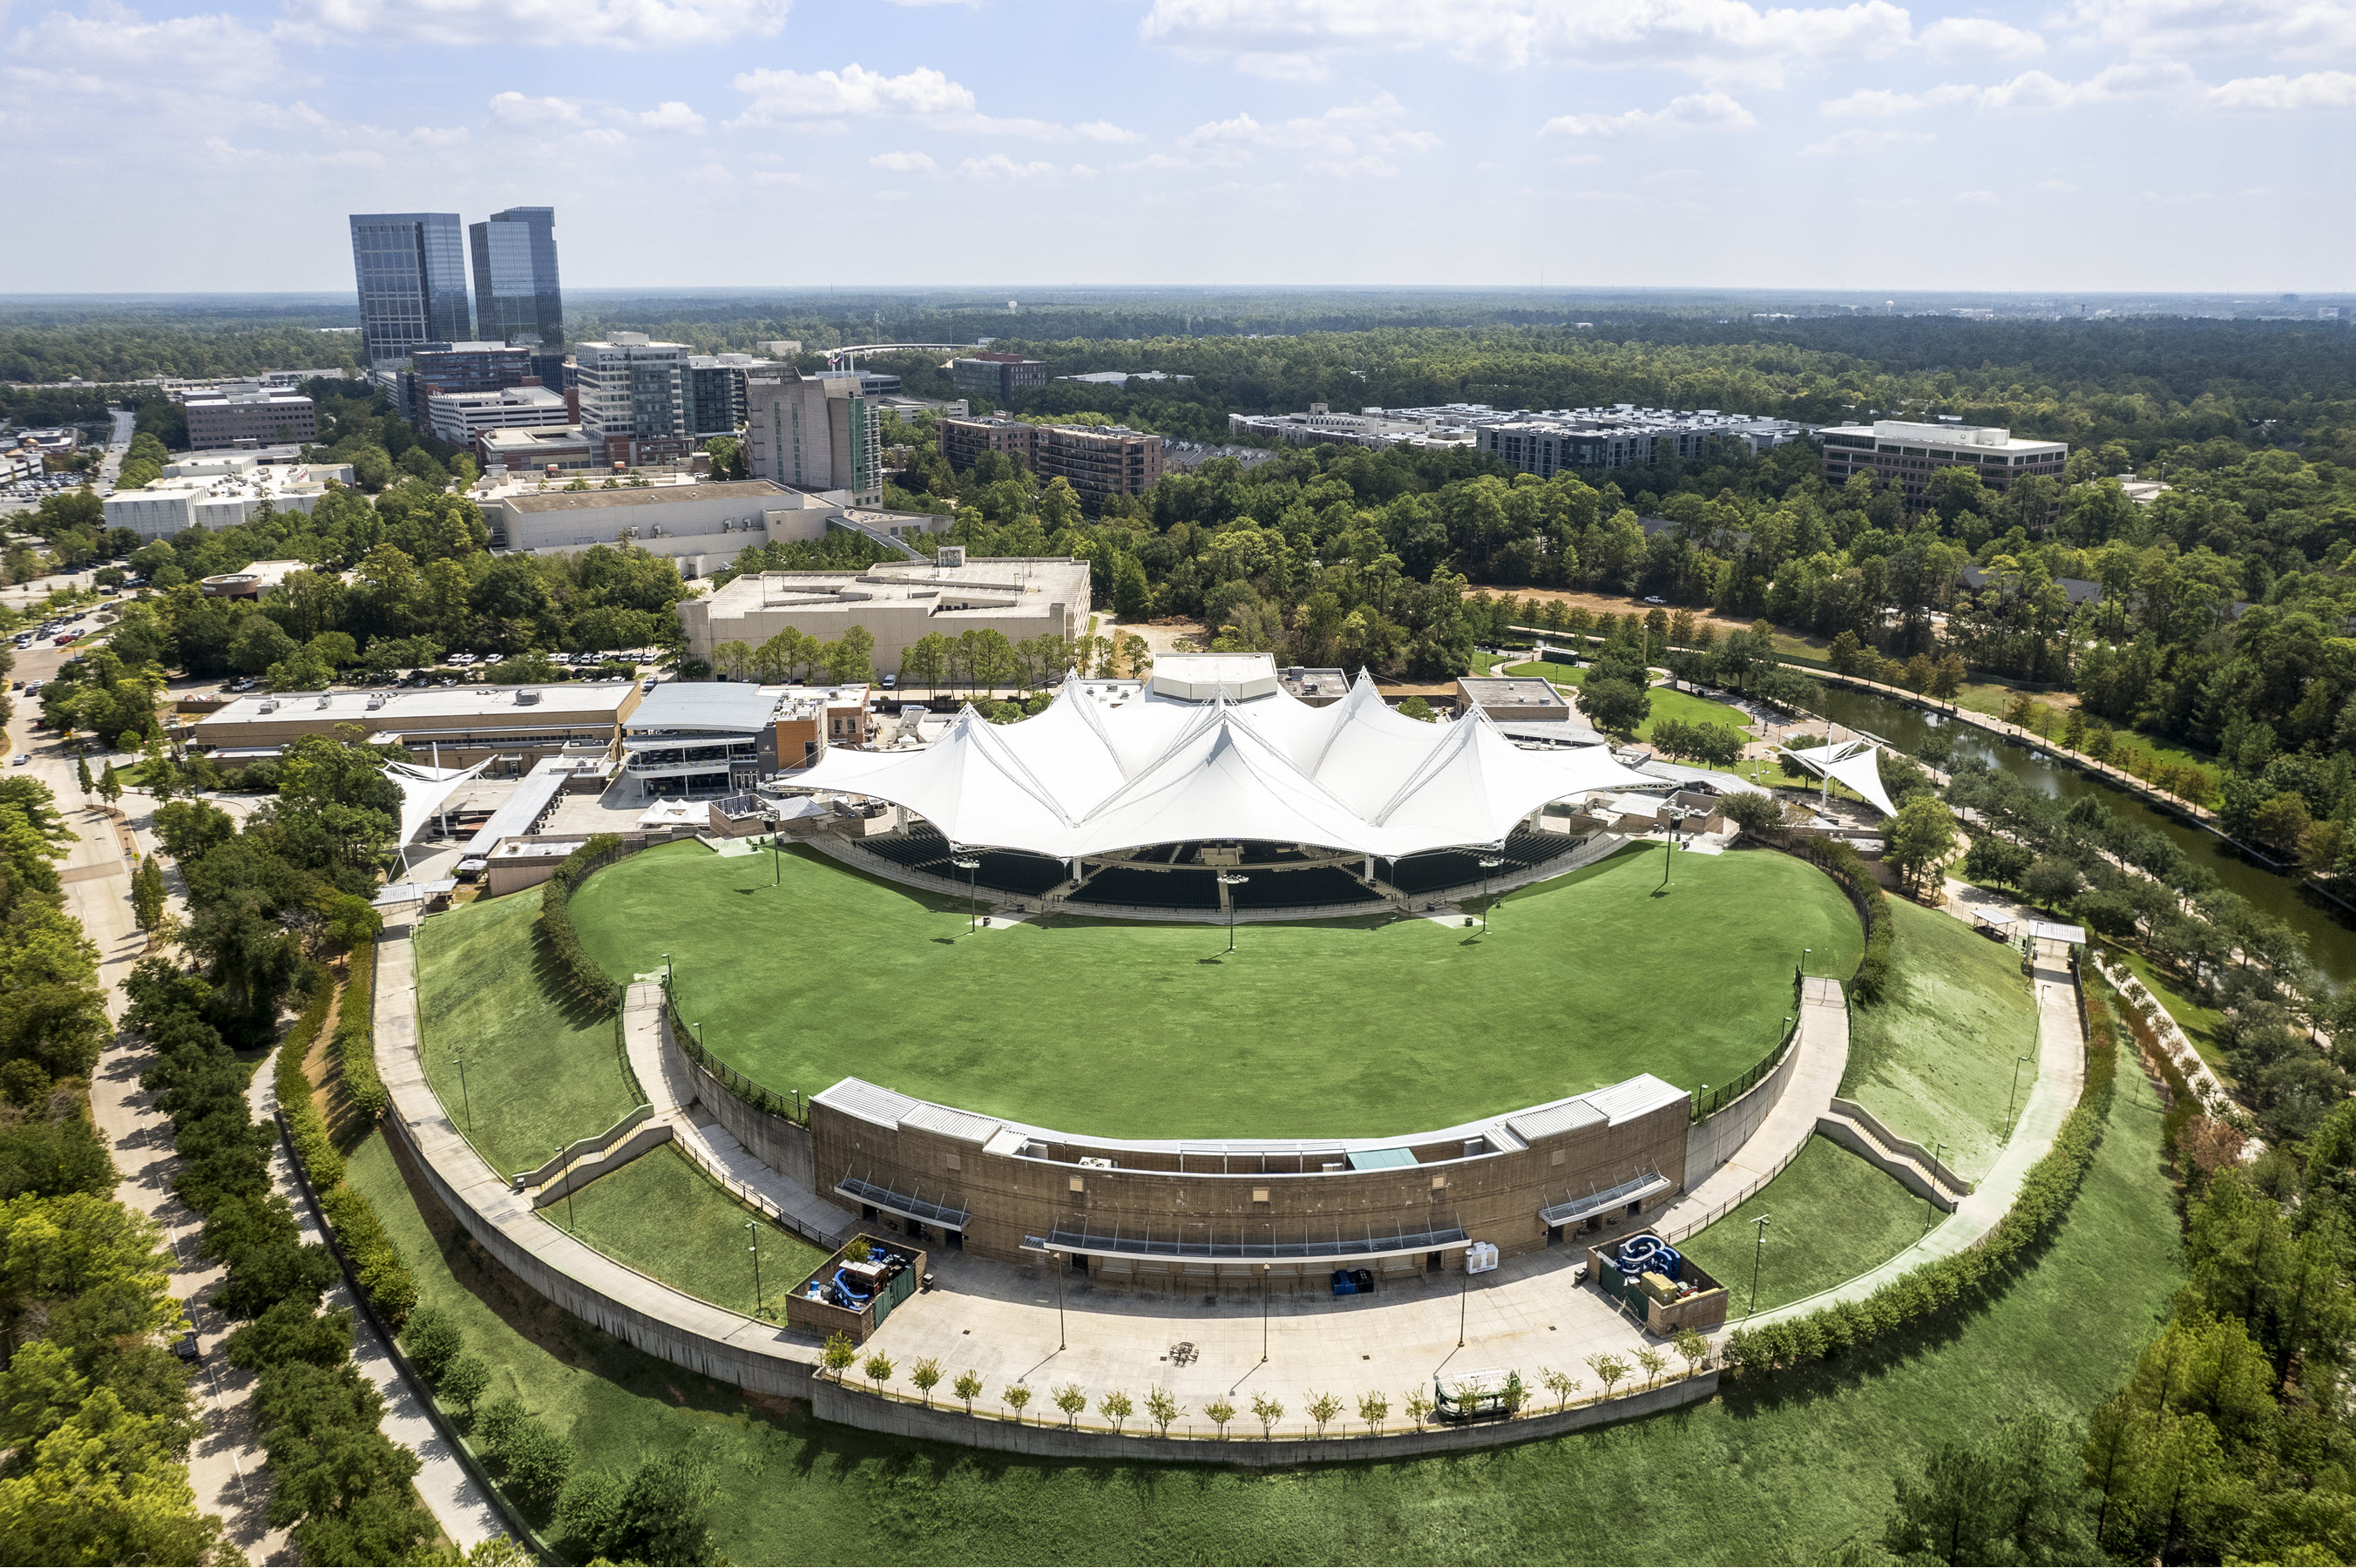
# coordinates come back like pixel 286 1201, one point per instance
pixel 2329 930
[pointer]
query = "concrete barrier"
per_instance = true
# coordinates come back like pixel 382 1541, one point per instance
pixel 580 1148
pixel 605 1162
pixel 1712 1141
pixel 1905 1148
pixel 1047 1438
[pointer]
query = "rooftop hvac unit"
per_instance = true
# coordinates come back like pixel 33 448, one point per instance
pixel 376 701
pixel 323 700
pixel 527 699
pixel 269 705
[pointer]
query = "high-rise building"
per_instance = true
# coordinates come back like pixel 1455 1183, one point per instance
pixel 411 268
pixel 633 399
pixel 997 375
pixel 815 433
pixel 714 390
pixel 517 296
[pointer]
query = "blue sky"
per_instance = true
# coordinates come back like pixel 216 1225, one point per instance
pixel 2086 144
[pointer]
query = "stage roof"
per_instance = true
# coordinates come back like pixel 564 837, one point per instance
pixel 1085 778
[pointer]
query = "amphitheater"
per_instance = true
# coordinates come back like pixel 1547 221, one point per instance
pixel 1102 838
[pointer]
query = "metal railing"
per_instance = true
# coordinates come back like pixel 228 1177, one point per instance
pixel 1724 1095
pixel 793 1107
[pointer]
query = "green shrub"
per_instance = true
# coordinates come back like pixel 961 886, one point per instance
pixel 556 924
pixel 432 1342
pixel 355 1041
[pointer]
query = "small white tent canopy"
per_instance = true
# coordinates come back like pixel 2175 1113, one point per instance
pixel 1856 763
pixel 425 791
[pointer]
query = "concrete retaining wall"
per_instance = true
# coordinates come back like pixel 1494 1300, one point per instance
pixel 782 1144
pixel 582 1148
pixel 603 1163
pixel 947 1423
pixel 1905 1148
pixel 1711 1143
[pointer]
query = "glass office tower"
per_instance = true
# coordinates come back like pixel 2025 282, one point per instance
pixel 412 279
pixel 516 292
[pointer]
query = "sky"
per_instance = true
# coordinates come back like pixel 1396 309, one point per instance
pixel 2087 144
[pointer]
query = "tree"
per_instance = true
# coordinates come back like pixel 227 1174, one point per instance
pixel 663 1516
pixel 926 1374
pixel 839 1354
pixel 1268 1412
pixel 1373 1409
pixel 1919 839
pixel 1608 1369
pixel 925 661
pixel 1996 862
pixel 1323 1408
pixel 1016 1396
pixel 1220 1413
pixel 1132 597
pixel 537 1462
pixel 109 785
pixel 1071 1399
pixel 1692 1348
pixel 877 1368
pixel 81 775
pixel 1947 680
pixel 1755 813
pixel 147 893
pixel 853 658
pixel 968 1388
pixel 1416 707
pixel 1653 1361
pixel 1562 1385
pixel 1116 1407
pixel 1417 1406
pixel 1161 1407
pixel 1618 708
pixel 733 658
pixel 464 1382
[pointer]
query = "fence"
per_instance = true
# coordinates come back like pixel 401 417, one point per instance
pixel 1725 1094
pixel 794 1108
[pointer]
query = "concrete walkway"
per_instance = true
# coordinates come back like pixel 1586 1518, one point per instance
pixel 2060 1077
pixel 459 1506
pixel 1822 1045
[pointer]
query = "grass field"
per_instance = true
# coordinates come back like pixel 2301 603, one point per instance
pixel 1154 1030
pixel 1830 1216
pixel 540 1071
pixel 1933 1060
pixel 1683 706
pixel 1789 1474
pixel 665 1217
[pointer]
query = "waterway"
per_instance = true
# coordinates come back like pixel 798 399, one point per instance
pixel 2329 930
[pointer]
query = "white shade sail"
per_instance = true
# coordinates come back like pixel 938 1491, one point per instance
pixel 424 791
pixel 1089 777
pixel 1856 763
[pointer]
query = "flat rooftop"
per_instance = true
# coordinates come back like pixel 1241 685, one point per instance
pixel 405 707
pixel 1510 691
pixel 714 705
pixel 752 492
pixel 986 583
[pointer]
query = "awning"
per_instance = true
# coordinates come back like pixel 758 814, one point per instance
pixel 1856 763
pixel 1341 1248
pixel 908 1206
pixel 1594 1203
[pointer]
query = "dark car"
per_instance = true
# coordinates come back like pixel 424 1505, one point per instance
pixel 187 1349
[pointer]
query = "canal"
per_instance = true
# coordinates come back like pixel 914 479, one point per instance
pixel 2329 930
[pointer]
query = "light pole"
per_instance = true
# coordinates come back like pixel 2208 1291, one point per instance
pixel 1464 1295
pixel 759 1307
pixel 666 986
pixel 1757 1247
pixel 1488 864
pixel 464 1098
pixel 566 1176
pixel 972 868
pixel 1230 881
pixel 1669 847
pixel 1931 1204
pixel 776 869
pixel 2015 1095
pixel 1061 1343
pixel 1263 1307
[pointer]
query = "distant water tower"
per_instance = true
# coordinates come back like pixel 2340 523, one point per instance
pixel 1009 307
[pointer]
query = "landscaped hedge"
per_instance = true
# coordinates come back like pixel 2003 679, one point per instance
pixel 556 924
pixel 1979 1270
pixel 1839 860
pixel 391 1289
pixel 355 1045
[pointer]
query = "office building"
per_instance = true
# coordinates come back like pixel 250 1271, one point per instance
pixel 1097 461
pixel 712 392
pixel 633 399
pixel 691 739
pixel 535 449
pixel 411 268
pixel 517 297
pixel 815 433
pixel 220 490
pixel 478 367
pixel 459 418
pixel 997 376
pixel 898 603
pixel 703 524
pixel 462 725
pixel 1903 452
pixel 1623 436
pixel 250 419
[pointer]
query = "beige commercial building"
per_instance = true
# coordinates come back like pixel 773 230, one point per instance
pixel 1512 699
pixel 899 602
pixel 250 419
pixel 516 725
pixel 1097 461
pixel 1906 453
pixel 815 433
pixel 701 523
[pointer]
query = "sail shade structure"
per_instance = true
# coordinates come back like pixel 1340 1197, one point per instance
pixel 1089 777
pixel 424 791
pixel 1856 763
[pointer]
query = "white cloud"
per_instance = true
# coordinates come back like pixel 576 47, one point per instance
pixel 1859 140
pixel 1975 198
pixel 1716 39
pixel 827 100
pixel 440 135
pixel 2168 83
pixel 618 23
pixel 672 116
pixel 2060 188
pixel 1346 141
pixel 1693 111
pixel 2285 94
pixel 903 163
pixel 2191 29
pixel 515 109
pixel 1977 37
pixel 998 165
pixel 112 50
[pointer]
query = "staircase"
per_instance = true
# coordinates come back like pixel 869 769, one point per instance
pixel 1856 1129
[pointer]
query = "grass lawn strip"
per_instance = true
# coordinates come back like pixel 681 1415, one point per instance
pixel 1788 1474
pixel 1934 1058
pixel 665 1217
pixel 540 1071
pixel 1832 1215
pixel 1154 1031
pixel 1667 702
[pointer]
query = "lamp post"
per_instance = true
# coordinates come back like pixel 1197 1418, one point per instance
pixel 776 867
pixel 666 986
pixel 1230 881
pixel 2015 1095
pixel 1931 1204
pixel 1464 1295
pixel 1757 1247
pixel 1061 1344
pixel 759 1307
pixel 566 1176
pixel 972 868
pixel 1488 864
pixel 464 1098
pixel 1264 1270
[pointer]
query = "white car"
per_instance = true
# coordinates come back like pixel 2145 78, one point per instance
pixel 21 758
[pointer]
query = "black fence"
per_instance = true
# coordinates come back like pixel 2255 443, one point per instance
pixel 1721 1096
pixel 793 1107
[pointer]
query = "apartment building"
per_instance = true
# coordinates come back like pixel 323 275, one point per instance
pixel 1624 436
pixel 1097 461
pixel 997 376
pixel 1445 425
pixel 250 419
pixel 1906 452
pixel 633 399
pixel 814 433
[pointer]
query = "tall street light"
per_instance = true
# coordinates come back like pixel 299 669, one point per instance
pixel 760 1307
pixel 1931 1204
pixel 666 986
pixel 776 867
pixel 1488 864
pixel 2014 1097
pixel 465 1097
pixel 1757 1247
pixel 972 868
pixel 1230 881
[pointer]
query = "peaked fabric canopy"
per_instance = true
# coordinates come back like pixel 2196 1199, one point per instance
pixel 1091 778
pixel 424 791
pixel 1856 763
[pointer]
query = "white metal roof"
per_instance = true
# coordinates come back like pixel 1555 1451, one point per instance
pixel 1083 778
pixel 1639 1097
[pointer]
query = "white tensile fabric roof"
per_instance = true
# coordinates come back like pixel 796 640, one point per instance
pixel 424 791
pixel 1856 763
pixel 1086 778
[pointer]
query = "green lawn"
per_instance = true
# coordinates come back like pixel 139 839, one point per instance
pixel 540 1071
pixel 1683 706
pixel 1933 1060
pixel 665 1217
pixel 1154 1030
pixel 1789 1474
pixel 1830 1216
